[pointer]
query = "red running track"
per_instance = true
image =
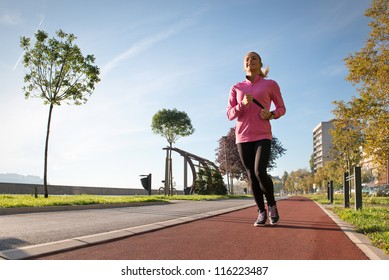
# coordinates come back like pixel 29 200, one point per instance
pixel 305 232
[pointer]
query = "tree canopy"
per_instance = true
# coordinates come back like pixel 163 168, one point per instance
pixel 299 181
pixel 56 69
pixel 227 156
pixel 172 124
pixel 347 136
pixel 210 181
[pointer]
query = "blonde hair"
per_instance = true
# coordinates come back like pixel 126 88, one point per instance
pixel 264 71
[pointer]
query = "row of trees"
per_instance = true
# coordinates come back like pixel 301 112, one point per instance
pixel 306 181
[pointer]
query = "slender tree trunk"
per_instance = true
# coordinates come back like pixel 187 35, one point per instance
pixel 387 171
pixel 46 152
pixel 232 184
pixel 170 171
pixel 167 164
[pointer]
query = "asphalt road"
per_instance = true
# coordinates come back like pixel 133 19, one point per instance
pixel 20 230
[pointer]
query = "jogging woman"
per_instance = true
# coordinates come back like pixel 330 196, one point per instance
pixel 253 130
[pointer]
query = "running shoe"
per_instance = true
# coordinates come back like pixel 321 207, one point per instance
pixel 273 215
pixel 262 217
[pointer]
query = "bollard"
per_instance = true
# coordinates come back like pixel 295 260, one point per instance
pixel 358 188
pixel 331 192
pixel 346 190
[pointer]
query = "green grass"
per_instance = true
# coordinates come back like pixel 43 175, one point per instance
pixel 372 220
pixel 8 200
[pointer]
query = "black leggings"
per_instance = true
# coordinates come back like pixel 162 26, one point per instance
pixel 255 158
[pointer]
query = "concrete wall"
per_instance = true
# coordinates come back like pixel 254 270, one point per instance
pixel 13 188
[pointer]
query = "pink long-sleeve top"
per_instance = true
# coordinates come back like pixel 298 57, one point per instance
pixel 249 125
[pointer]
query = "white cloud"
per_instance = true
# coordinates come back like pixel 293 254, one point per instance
pixel 21 56
pixel 10 19
pixel 335 70
pixel 332 18
pixel 146 43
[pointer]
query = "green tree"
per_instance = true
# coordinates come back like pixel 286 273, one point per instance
pixel 367 176
pixel 321 178
pixel 369 71
pixel 347 137
pixel 210 181
pixel 227 156
pixel 57 72
pixel 312 163
pixel 299 181
pixel 171 124
pixel 277 150
pixel 331 171
pixel 278 184
pixel 284 177
pixel 335 173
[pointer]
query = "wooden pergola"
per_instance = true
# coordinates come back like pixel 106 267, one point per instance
pixel 188 159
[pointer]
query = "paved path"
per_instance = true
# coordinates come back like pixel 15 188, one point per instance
pixel 36 228
pixel 306 232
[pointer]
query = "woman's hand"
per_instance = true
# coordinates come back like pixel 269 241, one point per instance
pixel 248 98
pixel 266 114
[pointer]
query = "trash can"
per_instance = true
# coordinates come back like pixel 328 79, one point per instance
pixel 187 191
pixel 146 183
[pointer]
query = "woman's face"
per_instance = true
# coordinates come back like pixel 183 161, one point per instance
pixel 252 62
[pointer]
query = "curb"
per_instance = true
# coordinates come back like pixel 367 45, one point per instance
pixel 359 239
pixel 84 241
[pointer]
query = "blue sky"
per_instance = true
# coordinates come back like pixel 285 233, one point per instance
pixel 171 54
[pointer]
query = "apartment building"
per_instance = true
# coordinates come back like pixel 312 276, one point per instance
pixel 322 144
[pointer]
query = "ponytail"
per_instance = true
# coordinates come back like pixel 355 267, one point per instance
pixel 264 72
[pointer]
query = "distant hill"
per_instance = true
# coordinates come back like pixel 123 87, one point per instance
pixel 22 179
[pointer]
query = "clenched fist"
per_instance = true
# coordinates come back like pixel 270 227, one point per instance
pixel 248 98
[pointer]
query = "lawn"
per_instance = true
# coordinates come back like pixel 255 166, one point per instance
pixel 10 200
